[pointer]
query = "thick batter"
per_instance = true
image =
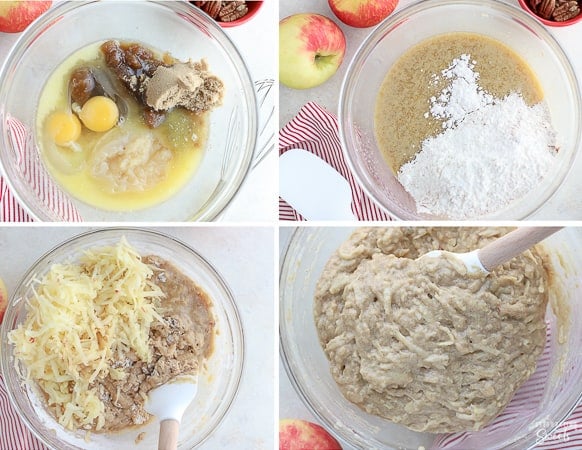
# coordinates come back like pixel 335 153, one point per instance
pixel 420 342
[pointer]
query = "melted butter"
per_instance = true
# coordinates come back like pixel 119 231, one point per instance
pixel 71 169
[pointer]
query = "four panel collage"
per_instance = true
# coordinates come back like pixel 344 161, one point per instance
pixel 366 236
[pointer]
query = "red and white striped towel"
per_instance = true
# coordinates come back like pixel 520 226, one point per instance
pixel 13 433
pixel 567 435
pixel 316 130
pixel 10 209
pixel 34 173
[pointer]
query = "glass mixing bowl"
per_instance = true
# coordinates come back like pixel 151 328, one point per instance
pixel 217 385
pixel 177 27
pixel 544 402
pixel 422 20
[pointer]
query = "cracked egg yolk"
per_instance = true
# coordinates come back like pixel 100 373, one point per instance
pixel 63 127
pixel 99 114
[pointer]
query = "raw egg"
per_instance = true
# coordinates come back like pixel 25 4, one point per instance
pixel 63 127
pixel 99 113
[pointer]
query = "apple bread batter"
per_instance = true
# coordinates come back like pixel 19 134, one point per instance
pixel 419 341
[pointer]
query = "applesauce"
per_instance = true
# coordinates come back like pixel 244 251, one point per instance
pixel 401 122
pixel 84 172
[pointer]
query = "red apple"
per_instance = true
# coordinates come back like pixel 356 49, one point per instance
pixel 311 48
pixel 296 434
pixel 3 299
pixel 15 16
pixel 362 13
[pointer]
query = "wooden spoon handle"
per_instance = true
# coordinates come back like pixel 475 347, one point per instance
pixel 169 430
pixel 512 244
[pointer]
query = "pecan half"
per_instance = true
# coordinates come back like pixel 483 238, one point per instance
pixel 233 10
pixel 211 8
pixel 566 10
pixel 223 11
pixel 546 8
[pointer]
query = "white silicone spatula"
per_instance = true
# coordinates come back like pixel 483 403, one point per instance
pixel 314 188
pixel 168 403
pixel 485 259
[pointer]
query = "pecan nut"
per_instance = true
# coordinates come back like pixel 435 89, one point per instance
pixel 212 8
pixel 566 10
pixel 546 8
pixel 223 11
pixel 233 10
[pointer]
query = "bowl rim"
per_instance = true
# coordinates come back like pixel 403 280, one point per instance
pixel 400 17
pixel 234 321
pixel 211 208
pixel 287 266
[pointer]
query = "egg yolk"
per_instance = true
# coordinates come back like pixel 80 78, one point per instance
pixel 99 113
pixel 63 127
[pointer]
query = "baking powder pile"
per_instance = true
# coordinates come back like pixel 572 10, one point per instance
pixel 491 151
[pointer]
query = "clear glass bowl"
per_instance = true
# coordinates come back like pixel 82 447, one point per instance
pixel 177 27
pixel 218 384
pixel 530 419
pixel 422 20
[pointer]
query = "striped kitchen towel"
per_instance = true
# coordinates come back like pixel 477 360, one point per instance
pixel 35 175
pixel 316 130
pixel 549 435
pixel 13 433
pixel 10 209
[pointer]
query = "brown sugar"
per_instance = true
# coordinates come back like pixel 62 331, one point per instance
pixel 189 85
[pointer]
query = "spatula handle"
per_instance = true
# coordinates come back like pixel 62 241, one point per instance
pixel 169 430
pixel 512 244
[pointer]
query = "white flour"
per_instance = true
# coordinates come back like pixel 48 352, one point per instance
pixel 462 96
pixel 492 151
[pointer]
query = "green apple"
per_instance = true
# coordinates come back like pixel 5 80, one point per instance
pixel 311 48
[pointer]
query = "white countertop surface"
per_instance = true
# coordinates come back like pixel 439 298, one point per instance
pixel 244 256
pixel 256 200
pixel 565 205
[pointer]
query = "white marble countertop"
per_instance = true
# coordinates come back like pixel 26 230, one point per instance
pixel 250 424
pixel 565 205
pixel 256 200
